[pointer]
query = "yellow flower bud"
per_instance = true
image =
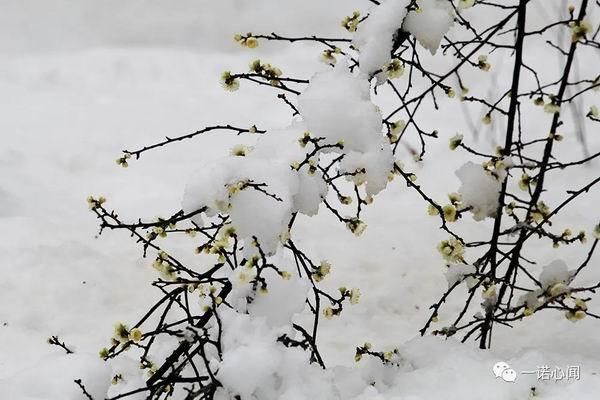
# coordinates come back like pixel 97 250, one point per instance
pixel 575 316
pixel 251 42
pixel 135 334
pixel 394 69
pixel 455 141
pixel 450 213
pixel 432 210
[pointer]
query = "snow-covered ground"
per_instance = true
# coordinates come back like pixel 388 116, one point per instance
pixel 68 110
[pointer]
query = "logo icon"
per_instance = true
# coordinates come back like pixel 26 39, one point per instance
pixel 504 371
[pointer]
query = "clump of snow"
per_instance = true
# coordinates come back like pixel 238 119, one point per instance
pixel 310 194
pixel 501 168
pixel 282 144
pixel 377 163
pixel 250 357
pixel 228 186
pixel 375 36
pixel 554 273
pixel 479 190
pixel 430 23
pixel 256 366
pixel 285 298
pixel 254 213
pixel 337 106
pixel 132 378
pixel 220 188
pixel 458 272
pixel 531 299
pixel 242 282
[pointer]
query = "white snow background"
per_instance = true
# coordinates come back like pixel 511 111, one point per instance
pixel 82 80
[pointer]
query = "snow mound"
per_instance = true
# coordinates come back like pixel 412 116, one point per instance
pixel 256 366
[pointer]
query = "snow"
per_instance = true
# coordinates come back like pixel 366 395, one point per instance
pixel 289 295
pixel 284 142
pixel 555 273
pixel 66 117
pixel 254 366
pixel 458 273
pixel 375 36
pixel 479 190
pixel 377 163
pixel 39 381
pixel 249 360
pixel 430 23
pixel 335 93
pixel 265 214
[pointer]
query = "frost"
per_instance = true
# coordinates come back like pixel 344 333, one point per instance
pixel 375 36
pixel 430 23
pixel 479 190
